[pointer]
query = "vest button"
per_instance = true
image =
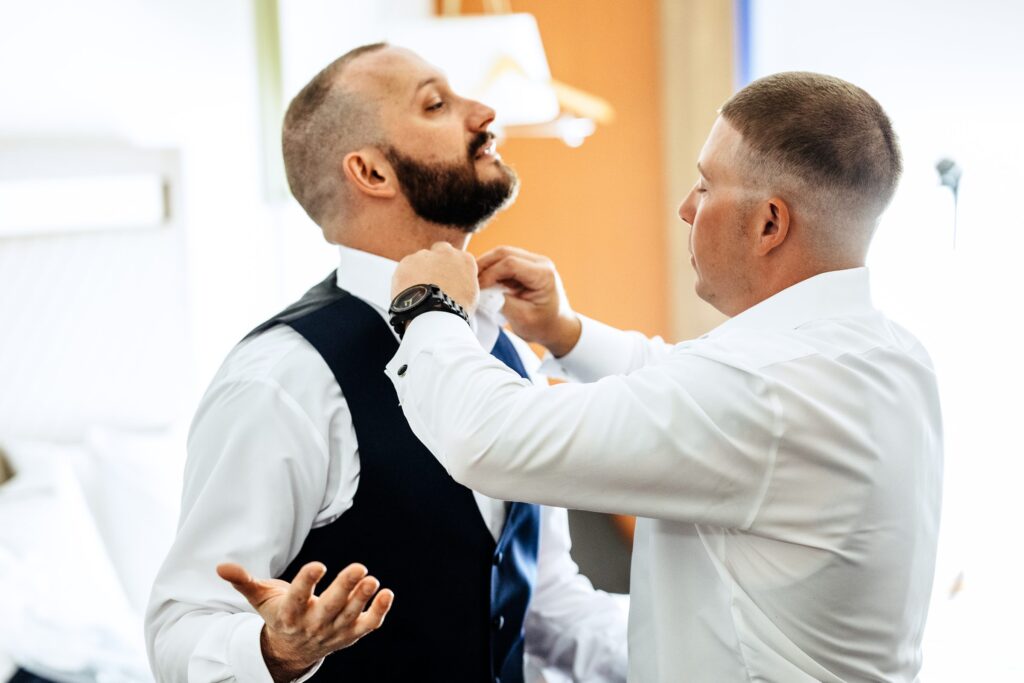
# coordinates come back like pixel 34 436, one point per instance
pixel 401 370
pixel 498 557
pixel 498 622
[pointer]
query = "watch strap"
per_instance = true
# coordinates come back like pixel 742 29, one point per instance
pixel 438 300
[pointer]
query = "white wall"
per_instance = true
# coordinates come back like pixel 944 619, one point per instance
pixel 949 74
pixel 157 74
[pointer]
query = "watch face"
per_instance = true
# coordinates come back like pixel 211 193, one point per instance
pixel 410 298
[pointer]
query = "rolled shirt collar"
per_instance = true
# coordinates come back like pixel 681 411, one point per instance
pixel 835 294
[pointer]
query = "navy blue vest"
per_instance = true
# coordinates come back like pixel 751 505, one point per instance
pixel 460 598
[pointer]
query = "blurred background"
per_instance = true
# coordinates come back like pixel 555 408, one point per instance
pixel 145 227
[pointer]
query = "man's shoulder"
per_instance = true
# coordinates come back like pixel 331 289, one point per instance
pixel 279 355
pixel 746 349
pixel 274 376
pixel 824 338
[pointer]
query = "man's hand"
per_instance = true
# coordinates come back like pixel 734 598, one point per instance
pixel 300 628
pixel 535 301
pixel 452 270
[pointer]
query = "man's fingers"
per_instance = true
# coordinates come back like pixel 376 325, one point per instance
pixel 373 617
pixel 300 592
pixel 336 596
pixel 357 600
pixel 515 308
pixel 243 582
pixel 530 274
pixel 233 572
pixel 494 255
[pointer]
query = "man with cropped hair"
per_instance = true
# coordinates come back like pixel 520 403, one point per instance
pixel 786 468
pixel 303 476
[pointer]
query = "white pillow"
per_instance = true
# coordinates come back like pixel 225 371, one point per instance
pixel 64 613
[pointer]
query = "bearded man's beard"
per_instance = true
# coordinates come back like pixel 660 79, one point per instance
pixel 452 194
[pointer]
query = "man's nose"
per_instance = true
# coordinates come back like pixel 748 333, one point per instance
pixel 688 208
pixel 480 116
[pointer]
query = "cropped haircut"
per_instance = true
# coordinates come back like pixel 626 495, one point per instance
pixel 324 122
pixel 822 138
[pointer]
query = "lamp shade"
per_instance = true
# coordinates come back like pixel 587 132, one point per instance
pixel 497 59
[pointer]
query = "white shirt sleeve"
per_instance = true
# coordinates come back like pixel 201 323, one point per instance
pixel 575 631
pixel 603 350
pixel 689 439
pixel 255 481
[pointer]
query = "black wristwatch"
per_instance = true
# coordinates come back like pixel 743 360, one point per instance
pixel 420 299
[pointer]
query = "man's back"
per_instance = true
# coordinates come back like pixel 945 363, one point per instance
pixel 831 577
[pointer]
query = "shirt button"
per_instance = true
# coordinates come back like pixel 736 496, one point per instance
pixel 498 622
pixel 401 370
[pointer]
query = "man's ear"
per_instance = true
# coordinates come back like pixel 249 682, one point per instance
pixel 772 218
pixel 370 173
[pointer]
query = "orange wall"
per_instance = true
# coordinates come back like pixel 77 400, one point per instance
pixel 597 210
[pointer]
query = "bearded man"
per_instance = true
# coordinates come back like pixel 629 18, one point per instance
pixel 300 461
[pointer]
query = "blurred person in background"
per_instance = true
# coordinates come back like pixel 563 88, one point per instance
pixel 300 462
pixel 786 467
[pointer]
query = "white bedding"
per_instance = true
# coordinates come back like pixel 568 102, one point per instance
pixel 83 529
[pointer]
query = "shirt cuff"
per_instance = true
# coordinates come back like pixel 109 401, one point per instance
pixel 245 656
pixel 422 332
pixel 602 350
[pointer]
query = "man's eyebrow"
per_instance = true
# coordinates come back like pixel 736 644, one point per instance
pixel 425 82
pixel 700 169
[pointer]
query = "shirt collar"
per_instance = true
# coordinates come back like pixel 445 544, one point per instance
pixel 368 277
pixel 835 294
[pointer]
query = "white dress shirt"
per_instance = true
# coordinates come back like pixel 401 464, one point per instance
pixel 787 469
pixel 272 453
